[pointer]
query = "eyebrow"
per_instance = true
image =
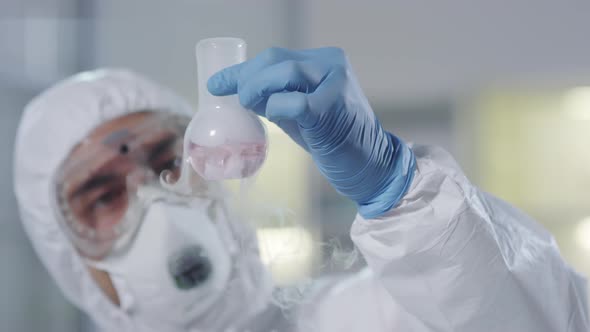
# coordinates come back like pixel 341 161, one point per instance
pixel 116 137
pixel 93 183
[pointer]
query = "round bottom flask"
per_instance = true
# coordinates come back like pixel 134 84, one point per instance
pixel 225 141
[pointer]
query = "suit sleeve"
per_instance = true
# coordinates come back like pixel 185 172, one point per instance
pixel 460 260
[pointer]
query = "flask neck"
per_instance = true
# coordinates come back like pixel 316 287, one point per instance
pixel 214 54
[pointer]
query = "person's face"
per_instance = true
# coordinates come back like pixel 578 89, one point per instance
pixel 102 171
pixel 115 158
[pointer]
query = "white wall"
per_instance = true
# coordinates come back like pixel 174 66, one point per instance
pixel 39 40
pixel 400 49
pixel 412 48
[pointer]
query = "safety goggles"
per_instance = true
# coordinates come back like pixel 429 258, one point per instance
pixel 97 188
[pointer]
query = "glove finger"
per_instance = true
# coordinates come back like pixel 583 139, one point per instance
pixel 302 76
pixel 330 92
pixel 225 81
pixel 288 106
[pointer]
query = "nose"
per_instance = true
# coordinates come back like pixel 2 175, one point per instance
pixel 189 267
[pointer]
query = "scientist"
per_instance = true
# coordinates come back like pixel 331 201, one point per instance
pixel 441 254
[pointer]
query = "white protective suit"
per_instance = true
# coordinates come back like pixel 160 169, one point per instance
pixel 448 258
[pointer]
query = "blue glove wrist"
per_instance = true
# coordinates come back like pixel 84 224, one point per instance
pixel 400 173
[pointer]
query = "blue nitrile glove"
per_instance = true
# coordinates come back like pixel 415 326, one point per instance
pixel 315 98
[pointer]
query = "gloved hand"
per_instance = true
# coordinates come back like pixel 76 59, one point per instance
pixel 315 98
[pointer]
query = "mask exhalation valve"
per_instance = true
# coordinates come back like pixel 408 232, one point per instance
pixel 189 267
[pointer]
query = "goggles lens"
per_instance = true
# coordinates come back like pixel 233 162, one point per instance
pixel 96 186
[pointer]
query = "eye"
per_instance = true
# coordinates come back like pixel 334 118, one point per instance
pixel 109 198
pixel 103 207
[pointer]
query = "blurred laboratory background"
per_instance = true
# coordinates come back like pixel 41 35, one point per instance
pixel 503 85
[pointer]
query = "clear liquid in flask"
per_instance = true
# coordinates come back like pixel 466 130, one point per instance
pixel 228 161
